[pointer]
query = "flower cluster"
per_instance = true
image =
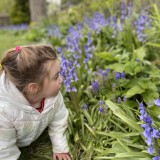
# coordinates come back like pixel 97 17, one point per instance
pixel 15 27
pixel 85 106
pixel 73 42
pixel 157 102
pixel 97 22
pixel 126 10
pixel 119 75
pixel 101 108
pixel 95 86
pixel 68 72
pixel 54 30
pixel 150 133
pixel 141 24
pixel 89 47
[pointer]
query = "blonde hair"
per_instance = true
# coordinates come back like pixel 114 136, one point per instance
pixel 28 65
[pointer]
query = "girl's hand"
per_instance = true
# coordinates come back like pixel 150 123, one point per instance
pixel 61 156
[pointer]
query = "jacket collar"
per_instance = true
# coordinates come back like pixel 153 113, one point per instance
pixel 10 93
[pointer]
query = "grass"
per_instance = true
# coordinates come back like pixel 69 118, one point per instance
pixel 10 39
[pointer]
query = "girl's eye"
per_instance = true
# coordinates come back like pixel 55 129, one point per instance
pixel 57 76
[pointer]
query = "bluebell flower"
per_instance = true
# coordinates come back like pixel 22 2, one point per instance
pixel 106 72
pixel 96 74
pixel 101 109
pixel 123 11
pixel 123 75
pixel 141 24
pixel 124 98
pixel 119 100
pixel 118 75
pixel 149 131
pixel 67 72
pixel 151 150
pixel 95 86
pixel 101 102
pixel 130 9
pixel 54 30
pixel 114 85
pixel 157 102
pixel 156 158
pixel 19 27
pixel 89 47
pixel 97 22
pixel 137 60
pixel 85 106
pixel 73 42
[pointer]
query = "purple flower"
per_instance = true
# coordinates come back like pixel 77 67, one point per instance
pixel 123 11
pixel 95 86
pixel 157 102
pixel 68 72
pixel 105 73
pixel 54 30
pixel 101 102
pixel 114 85
pixel 141 24
pixel 118 75
pixel 155 133
pixel 137 60
pixel 124 98
pixel 149 131
pixel 88 50
pixel 119 100
pixel 151 150
pixel 23 26
pixel 85 106
pixel 156 158
pixel 123 75
pixel 101 109
pixel 97 22
pixel 73 42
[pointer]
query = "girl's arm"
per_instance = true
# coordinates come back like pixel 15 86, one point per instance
pixel 58 127
pixel 8 148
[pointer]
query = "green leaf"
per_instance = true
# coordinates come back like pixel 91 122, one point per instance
pixel 110 56
pixel 140 53
pixel 149 96
pixel 76 137
pixel 88 117
pixel 147 84
pixel 90 129
pixel 134 90
pixel 118 134
pixel 124 145
pixel 132 154
pixel 118 112
pixel 118 67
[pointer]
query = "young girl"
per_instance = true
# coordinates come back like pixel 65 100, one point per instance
pixel 30 100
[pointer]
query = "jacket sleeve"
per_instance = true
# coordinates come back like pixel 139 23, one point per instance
pixel 58 127
pixel 8 148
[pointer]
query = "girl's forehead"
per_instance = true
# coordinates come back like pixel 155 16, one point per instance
pixel 54 66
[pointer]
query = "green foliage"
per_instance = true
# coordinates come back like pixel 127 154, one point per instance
pixel 10 39
pixel 5 6
pixel 20 12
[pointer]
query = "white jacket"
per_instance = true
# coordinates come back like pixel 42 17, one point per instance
pixel 21 124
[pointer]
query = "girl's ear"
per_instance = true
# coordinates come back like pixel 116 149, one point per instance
pixel 32 88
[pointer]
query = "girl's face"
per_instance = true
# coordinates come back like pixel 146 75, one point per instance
pixel 52 85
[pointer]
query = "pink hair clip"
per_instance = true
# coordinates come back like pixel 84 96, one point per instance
pixel 18 49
